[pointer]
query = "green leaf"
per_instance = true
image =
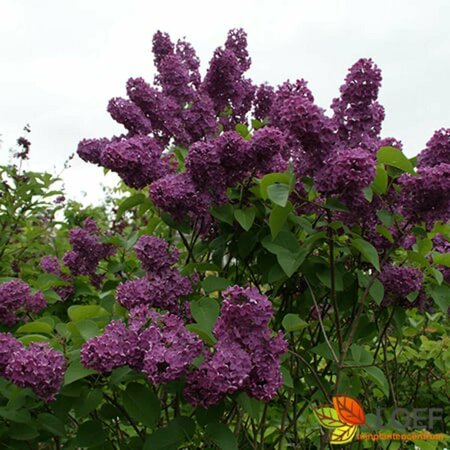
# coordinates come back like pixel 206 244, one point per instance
pixel 213 283
pixel 82 312
pixel 33 338
pixel 223 213
pixel 250 405
pixel 385 217
pixel 221 436
pixel 287 378
pixel 277 218
pixel 245 217
pixel 87 328
pixel 90 434
pixel 381 229
pixel 379 378
pixel 141 404
pixel 441 296
pixel 368 251
pixel 203 332
pixel 279 194
pixel 293 322
pixel 394 157
pixel 36 327
pixel 360 355
pixel 334 204
pixel 376 291
pixel 51 423
pixel 290 262
pixel 442 259
pixel 88 403
pixel 22 432
pixel 242 130
pixel 270 179
pixel 130 202
pixel 205 312
pixel 76 371
pixel 180 430
pixel 380 182
pixel 368 194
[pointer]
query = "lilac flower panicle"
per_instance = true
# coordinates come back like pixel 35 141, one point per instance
pixel 177 195
pixel 38 367
pixel 267 144
pixel 50 264
pixel 264 97
pixel 137 160
pixel 237 43
pixel 426 197
pixel 357 114
pixel 224 372
pixel 437 150
pixel 169 349
pixel 154 254
pixel 189 57
pixel 90 150
pixel 116 347
pixel 129 115
pixel 35 303
pixel 199 119
pixel 8 346
pixel 162 47
pixel 174 78
pixel 346 171
pixel 399 282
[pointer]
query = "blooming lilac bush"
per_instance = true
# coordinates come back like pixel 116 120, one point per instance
pixel 260 256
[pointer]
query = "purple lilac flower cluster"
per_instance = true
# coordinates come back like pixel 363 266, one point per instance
pixel 400 282
pixel 158 345
pixel 245 357
pixel 162 286
pixel 15 298
pixel 38 367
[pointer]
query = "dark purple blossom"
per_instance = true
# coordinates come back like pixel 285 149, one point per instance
pixel 137 160
pixel 8 346
pixel 87 250
pixel 426 197
pixel 38 367
pixel 129 115
pixel 90 150
pixel 399 282
pixel 169 349
pixel 437 150
pixel 268 144
pixel 162 47
pixel 116 347
pixel 199 119
pixel 177 195
pixel 224 372
pixel 154 254
pixel 346 171
pixel 357 114
pixel 264 97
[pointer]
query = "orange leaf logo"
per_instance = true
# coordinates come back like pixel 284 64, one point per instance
pixel 349 410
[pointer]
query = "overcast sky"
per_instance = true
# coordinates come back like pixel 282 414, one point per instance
pixel 61 61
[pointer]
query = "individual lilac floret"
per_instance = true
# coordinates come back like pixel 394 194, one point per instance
pixel 398 283
pixel 116 347
pixel 154 254
pixel 129 115
pixel 8 346
pixel 264 97
pixel 38 367
pixel 177 195
pixel 87 250
pixel 169 349
pixel 426 197
pixel 357 114
pixel 437 150
pixel 224 372
pixel 346 171
pixel 137 160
